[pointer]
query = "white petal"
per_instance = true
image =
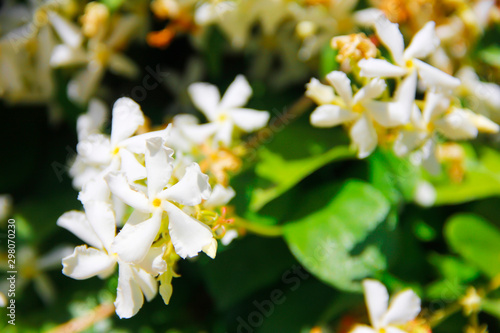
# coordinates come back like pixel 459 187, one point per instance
pixel 92 121
pixel 435 105
pixel 52 259
pixel 77 223
pixel 430 161
pixel 456 126
pixel 120 187
pixel 425 194
pixel 249 120
pixel 95 149
pixel 158 165
pixel 372 90
pixel 127 117
pixel 131 167
pixel 392 329
pixel 199 133
pixel 134 240
pixel 85 83
pixel 423 43
pixel 64 55
pixel 377 300
pixel 68 31
pixel 224 133
pixel 129 298
pixel 230 235
pixel 391 37
pixel 367 17
pixel 237 94
pixel 146 282
pixel 102 219
pixel 404 307
pixel 386 114
pixel 396 113
pixel 86 262
pixel 329 115
pixel 220 196
pixel 362 329
pixel 364 136
pixel 122 65
pixel 482 123
pixel 191 189
pixel 137 143
pixel 407 141
pixel 211 249
pixel 94 189
pixel 379 68
pixel 434 78
pixel 206 98
pixel 342 85
pixel 153 262
pixel 319 93
pixel 189 236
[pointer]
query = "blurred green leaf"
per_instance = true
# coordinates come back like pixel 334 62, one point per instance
pixel 284 174
pixel 324 241
pixel 455 276
pixel 482 180
pixel 476 240
pixel 328 60
pixel 251 264
pixel 491 55
pixel 394 176
pixel 491 306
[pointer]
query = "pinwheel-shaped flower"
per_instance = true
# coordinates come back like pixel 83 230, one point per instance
pixel 98 154
pixel 407 61
pixel 226 113
pixel 97 227
pixel 189 236
pixel 386 318
pixel 360 109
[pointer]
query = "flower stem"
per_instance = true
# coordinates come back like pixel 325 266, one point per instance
pixel 259 229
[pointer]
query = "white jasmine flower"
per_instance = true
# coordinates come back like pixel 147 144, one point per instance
pixel 99 154
pixel 226 113
pixel 385 317
pixel 407 61
pixel 93 121
pixel 97 227
pixel 360 109
pixel 438 117
pixel 103 51
pixel 189 236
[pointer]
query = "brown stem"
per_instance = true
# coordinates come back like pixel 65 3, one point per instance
pixel 79 324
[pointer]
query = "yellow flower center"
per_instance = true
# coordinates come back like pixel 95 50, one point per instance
pixel 409 63
pixel 358 108
pixel 156 203
pixel 222 116
pixel 116 150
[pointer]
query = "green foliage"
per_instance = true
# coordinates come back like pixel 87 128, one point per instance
pixel 476 240
pixel 325 241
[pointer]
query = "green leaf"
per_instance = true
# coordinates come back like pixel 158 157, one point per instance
pixel 491 55
pixel 491 306
pixel 482 180
pixel 284 174
pixel 396 177
pixel 254 263
pixel 112 4
pixel 476 240
pixel 328 60
pixel 325 241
